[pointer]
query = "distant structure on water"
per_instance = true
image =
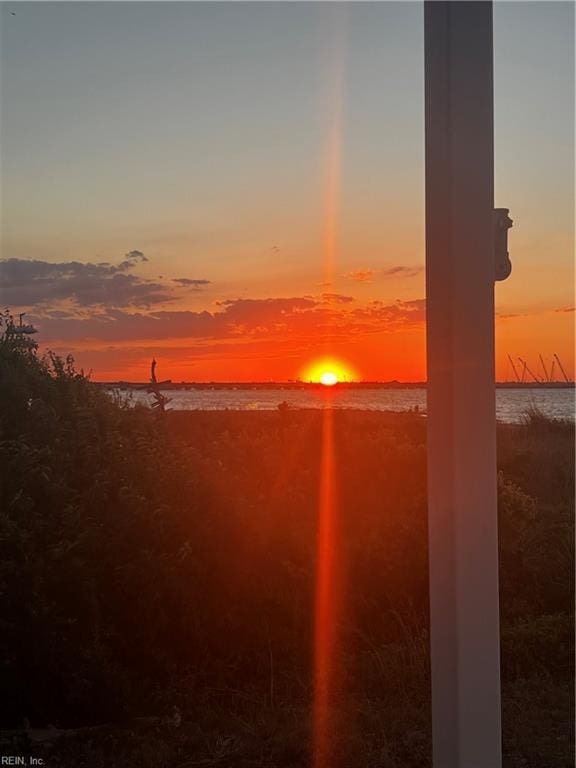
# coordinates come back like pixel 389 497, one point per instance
pixel 545 376
pixel 160 400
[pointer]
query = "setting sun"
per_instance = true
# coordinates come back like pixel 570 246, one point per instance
pixel 328 372
pixel 328 378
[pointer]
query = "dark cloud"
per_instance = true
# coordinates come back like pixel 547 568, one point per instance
pixel 131 259
pixel 118 325
pixel 509 315
pixel 262 308
pixel 401 314
pixel 187 282
pixel 28 283
pixel 403 271
pixel 528 313
pixel 239 319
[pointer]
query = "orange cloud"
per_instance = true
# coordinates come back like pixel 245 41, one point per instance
pixel 367 275
pixel 305 316
pixel 361 275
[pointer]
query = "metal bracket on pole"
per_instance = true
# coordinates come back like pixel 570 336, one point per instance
pixel 460 273
pixel 502 223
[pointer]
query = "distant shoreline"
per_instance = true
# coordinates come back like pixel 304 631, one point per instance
pixel 301 385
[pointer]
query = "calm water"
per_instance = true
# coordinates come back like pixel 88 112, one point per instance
pixel 511 404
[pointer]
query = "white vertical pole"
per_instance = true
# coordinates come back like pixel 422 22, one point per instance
pixel 462 511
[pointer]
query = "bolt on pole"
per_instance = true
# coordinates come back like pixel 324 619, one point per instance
pixel 462 497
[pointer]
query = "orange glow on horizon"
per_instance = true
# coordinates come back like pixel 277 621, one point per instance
pixel 329 371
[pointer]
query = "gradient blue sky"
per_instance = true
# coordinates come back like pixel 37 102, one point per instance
pixel 199 134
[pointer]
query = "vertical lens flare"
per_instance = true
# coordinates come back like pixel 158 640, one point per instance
pixel 333 149
pixel 328 604
pixel 328 556
pixel 332 187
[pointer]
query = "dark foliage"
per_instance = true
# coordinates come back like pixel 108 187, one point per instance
pixel 152 561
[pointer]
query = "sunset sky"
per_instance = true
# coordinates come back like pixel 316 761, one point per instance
pixel 237 188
